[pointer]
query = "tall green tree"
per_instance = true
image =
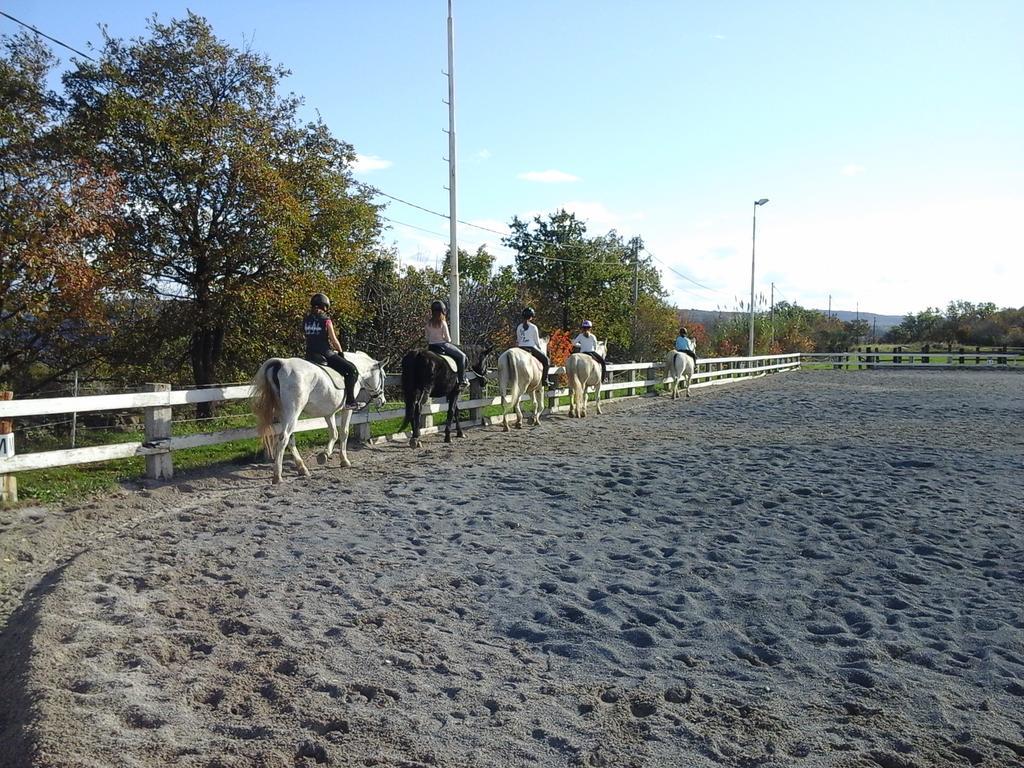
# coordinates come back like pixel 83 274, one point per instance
pixel 576 277
pixel 232 200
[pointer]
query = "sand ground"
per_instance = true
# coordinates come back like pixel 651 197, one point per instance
pixel 812 569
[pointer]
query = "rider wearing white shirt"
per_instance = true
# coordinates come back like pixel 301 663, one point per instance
pixel 586 342
pixel 528 338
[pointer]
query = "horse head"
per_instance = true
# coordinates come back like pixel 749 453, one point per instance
pixel 602 348
pixel 544 344
pixel 375 381
pixel 478 354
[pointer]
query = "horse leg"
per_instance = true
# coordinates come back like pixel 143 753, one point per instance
pixel 332 438
pixel 686 388
pixel 289 420
pixel 346 419
pixel 458 424
pixel 448 420
pixel 538 404
pixel 597 394
pixel 297 457
pixel 415 424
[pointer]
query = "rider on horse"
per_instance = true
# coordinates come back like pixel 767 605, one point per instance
pixel 586 342
pixel 686 345
pixel 323 347
pixel 528 338
pixel 439 340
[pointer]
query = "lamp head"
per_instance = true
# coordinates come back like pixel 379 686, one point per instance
pixel 762 201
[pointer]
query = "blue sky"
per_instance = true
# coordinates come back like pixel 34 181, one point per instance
pixel 888 136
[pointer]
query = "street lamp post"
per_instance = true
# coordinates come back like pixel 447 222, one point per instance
pixel 753 246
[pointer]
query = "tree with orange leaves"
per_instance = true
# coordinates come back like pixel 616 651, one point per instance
pixel 58 215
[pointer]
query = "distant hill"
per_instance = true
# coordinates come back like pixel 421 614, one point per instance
pixel 881 323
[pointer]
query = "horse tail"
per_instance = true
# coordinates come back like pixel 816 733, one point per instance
pixel 266 401
pixel 411 390
pixel 575 376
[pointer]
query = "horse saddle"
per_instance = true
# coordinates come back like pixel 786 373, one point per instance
pixel 450 360
pixel 470 373
pixel 336 378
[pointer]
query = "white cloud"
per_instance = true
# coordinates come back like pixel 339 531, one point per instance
pixel 367 163
pixel 548 177
pixel 600 218
pixel 484 154
pixel 852 170
pixel 718 37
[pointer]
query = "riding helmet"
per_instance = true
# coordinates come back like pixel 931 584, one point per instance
pixel 528 312
pixel 438 305
pixel 586 324
pixel 320 300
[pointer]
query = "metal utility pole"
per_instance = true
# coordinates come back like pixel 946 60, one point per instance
pixel 453 245
pixel 830 306
pixel 772 342
pixel 753 246
pixel 635 244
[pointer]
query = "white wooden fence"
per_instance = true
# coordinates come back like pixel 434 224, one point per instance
pixel 944 359
pixel 157 404
pixel 629 378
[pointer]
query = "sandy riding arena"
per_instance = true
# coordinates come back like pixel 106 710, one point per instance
pixel 812 569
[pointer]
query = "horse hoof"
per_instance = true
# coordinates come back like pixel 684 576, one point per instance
pixel 447 438
pixel 322 457
pixel 462 435
pixel 505 428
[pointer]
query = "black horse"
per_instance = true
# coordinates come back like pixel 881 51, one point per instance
pixel 425 375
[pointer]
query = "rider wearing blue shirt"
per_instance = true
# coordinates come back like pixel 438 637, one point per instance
pixel 686 345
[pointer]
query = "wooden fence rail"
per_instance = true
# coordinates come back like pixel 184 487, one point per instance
pixel 628 379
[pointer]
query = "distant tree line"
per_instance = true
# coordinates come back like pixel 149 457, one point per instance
pixel 962 323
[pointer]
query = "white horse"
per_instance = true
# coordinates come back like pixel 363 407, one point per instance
pixel 521 371
pixel 680 368
pixel 584 373
pixel 284 388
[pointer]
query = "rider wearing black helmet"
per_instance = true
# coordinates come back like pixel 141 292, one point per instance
pixel 528 338
pixel 439 339
pixel 323 347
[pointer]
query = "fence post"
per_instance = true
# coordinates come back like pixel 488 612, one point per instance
pixel 552 398
pixel 652 374
pixel 362 429
pixel 427 418
pixel 8 483
pixel 159 466
pixel 632 378
pixel 476 391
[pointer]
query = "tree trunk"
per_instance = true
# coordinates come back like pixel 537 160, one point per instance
pixel 206 346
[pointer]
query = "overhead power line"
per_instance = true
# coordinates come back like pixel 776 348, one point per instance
pixel 441 215
pixel 43 34
pixel 676 272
